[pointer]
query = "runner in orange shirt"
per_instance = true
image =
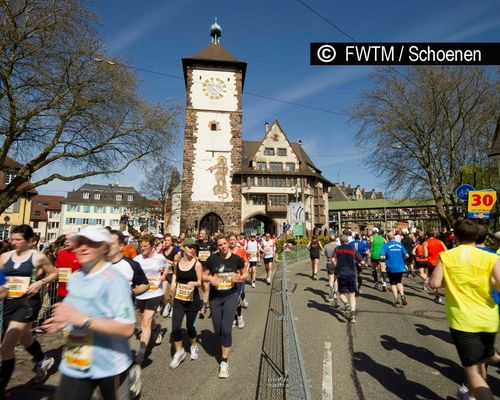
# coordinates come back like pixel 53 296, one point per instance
pixel 233 247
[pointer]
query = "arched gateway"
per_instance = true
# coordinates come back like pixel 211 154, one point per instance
pixel 259 224
pixel 212 223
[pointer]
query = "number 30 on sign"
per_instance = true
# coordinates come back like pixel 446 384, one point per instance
pixel 481 204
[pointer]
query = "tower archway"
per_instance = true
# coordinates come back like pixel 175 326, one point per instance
pixel 212 223
pixel 259 224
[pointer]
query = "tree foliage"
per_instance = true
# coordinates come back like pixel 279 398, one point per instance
pixel 63 113
pixel 427 128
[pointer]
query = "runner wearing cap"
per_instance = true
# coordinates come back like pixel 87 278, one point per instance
pixel 98 316
pixel 252 255
pixel 154 266
pixel 22 267
pixel 186 280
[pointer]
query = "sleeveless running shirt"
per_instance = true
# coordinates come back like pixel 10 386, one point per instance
pixel 19 275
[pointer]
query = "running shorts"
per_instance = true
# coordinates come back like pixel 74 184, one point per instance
pixel 395 277
pixel 473 347
pixel 268 260
pixel 347 284
pixel 253 264
pixel 148 304
pixel 21 309
pixel 420 264
pixel 330 269
pixel 375 262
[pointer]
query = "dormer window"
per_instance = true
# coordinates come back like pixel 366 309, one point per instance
pixel 118 197
pixel 269 151
pixel 86 195
pixel 130 197
pixel 97 196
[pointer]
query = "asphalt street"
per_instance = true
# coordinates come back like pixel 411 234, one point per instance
pixel 388 354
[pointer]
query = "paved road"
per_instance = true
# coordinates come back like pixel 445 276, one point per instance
pixel 388 354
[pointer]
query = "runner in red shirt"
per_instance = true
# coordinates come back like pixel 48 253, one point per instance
pixel 233 247
pixel 66 264
pixel 434 247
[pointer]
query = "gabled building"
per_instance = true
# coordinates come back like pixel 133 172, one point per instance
pixel 19 212
pixel 105 205
pixel 275 173
pixel 45 216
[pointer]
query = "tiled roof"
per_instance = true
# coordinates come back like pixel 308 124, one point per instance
pixel 41 203
pixel 12 165
pixel 108 196
pixel 215 52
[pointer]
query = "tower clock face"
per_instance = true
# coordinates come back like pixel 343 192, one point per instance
pixel 214 88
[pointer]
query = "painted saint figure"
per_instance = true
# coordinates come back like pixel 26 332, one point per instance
pixel 220 171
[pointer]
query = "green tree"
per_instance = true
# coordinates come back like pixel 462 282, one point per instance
pixel 64 114
pixel 424 127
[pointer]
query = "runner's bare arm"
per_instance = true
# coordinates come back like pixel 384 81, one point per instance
pixel 42 263
pixel 437 276
pixel 495 274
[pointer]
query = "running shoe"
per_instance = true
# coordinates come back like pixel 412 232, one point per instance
pixel 315 277
pixel 244 303
pixel 42 368
pixel 347 308
pixel 384 287
pixel 234 324
pixel 194 352
pixel 166 310
pixel 253 284
pixel 134 376
pixel 240 322
pixel 179 357
pixel 424 288
pixel 331 296
pixel 335 303
pixel 205 311
pixel 438 299
pixel 268 281
pixel 397 304
pixel 403 300
pixel 463 393
pixel 159 338
pixel 223 370
pixel 353 317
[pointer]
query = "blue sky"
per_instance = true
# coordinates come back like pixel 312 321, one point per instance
pixel 273 38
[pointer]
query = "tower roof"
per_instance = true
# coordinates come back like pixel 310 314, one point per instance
pixel 214 55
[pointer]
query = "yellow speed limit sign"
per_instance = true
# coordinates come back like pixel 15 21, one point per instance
pixel 481 204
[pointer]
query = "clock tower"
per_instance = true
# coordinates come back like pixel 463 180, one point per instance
pixel 211 194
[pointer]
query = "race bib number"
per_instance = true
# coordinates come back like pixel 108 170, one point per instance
pixel 203 255
pixel 154 282
pixel 64 274
pixel 252 254
pixel 184 293
pixel 78 349
pixel 17 286
pixel 226 281
pixel 268 251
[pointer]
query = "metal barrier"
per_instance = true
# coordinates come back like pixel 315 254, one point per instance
pixel 281 372
pixel 295 254
pixel 48 294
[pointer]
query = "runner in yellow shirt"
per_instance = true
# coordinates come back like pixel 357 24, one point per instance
pixel 467 274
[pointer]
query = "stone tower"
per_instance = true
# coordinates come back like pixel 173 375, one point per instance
pixel 211 195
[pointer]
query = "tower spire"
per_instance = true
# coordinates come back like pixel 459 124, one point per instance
pixel 215 32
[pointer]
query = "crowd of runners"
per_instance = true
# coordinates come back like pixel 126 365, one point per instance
pixel 106 278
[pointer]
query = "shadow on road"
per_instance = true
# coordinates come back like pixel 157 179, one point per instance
pixel 318 292
pixel 367 296
pixel 393 380
pixel 335 312
pixel 426 331
pixel 210 343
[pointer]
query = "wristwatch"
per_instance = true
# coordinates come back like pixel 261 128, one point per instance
pixel 87 322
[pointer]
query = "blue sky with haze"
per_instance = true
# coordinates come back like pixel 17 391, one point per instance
pixel 273 38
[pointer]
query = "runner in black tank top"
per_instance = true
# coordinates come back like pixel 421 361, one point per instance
pixel 315 248
pixel 185 283
pixel 22 267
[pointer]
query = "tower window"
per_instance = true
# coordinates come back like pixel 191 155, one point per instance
pixel 214 126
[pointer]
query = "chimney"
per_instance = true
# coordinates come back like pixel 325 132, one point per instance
pixel 266 127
